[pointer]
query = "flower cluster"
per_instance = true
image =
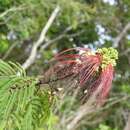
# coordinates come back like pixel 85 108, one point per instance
pixel 93 69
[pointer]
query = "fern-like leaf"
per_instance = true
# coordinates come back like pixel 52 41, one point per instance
pixel 21 106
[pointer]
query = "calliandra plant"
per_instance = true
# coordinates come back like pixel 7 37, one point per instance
pixel 23 106
pixel 93 69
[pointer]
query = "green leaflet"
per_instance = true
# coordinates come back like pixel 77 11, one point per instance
pixel 21 106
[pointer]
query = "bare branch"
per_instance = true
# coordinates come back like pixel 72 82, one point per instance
pixel 84 110
pixel 127 127
pixel 33 54
pixel 9 50
pixel 48 43
pixel 13 9
pixel 62 35
pixel 89 108
pixel 121 35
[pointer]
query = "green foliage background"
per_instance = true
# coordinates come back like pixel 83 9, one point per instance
pixel 93 23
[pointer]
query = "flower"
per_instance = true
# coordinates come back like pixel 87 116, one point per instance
pixel 93 69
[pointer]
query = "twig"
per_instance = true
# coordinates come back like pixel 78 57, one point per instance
pixel 125 52
pixel 9 50
pixel 62 35
pixel 121 35
pixel 13 9
pixel 49 42
pixel 89 108
pixel 33 54
pixel 84 110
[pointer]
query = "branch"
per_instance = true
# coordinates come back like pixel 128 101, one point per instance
pixel 127 127
pixel 125 52
pixel 9 50
pixel 48 43
pixel 13 9
pixel 84 110
pixel 89 108
pixel 62 35
pixel 33 54
pixel 121 35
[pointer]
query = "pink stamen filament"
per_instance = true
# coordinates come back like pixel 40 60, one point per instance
pixel 67 56
pixel 71 49
pixel 87 75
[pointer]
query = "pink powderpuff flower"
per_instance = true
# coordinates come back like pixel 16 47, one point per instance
pixel 93 69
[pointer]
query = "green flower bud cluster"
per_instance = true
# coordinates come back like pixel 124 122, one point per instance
pixel 109 55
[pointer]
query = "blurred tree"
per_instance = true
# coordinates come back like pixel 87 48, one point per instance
pixel 85 23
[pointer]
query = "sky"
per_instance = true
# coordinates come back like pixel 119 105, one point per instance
pixel 111 2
